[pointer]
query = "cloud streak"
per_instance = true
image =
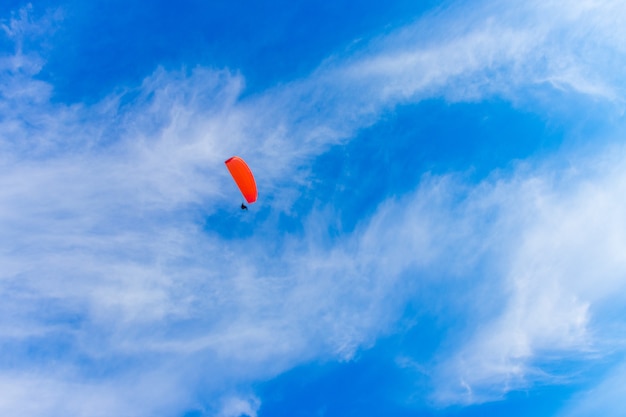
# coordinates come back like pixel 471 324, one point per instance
pixel 105 256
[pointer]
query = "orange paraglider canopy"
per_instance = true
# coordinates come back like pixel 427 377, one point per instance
pixel 243 177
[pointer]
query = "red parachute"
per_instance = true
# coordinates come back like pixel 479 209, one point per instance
pixel 243 178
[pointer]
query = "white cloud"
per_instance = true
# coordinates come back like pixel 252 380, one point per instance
pixel 564 263
pixel 61 393
pixel 605 398
pixel 237 407
pixel 102 247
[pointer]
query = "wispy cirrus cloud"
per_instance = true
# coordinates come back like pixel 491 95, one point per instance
pixel 106 259
pixel 604 397
pixel 563 265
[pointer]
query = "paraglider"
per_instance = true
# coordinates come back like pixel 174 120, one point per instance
pixel 244 179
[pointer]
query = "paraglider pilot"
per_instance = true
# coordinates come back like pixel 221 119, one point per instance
pixel 244 207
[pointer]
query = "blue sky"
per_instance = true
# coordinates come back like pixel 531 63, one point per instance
pixel 440 228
